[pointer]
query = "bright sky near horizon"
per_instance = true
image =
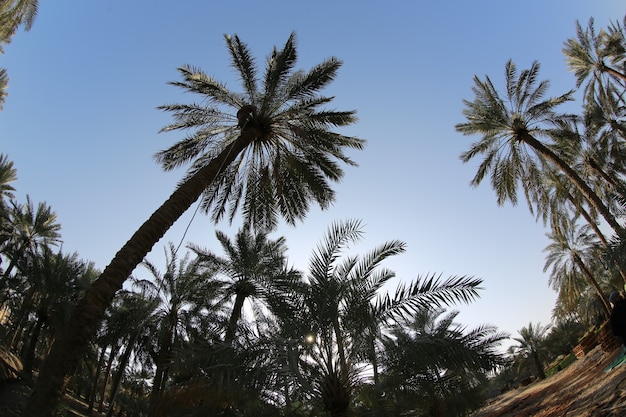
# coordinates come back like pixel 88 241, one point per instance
pixel 80 124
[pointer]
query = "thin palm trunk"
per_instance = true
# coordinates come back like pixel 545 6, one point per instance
pixel 107 374
pixel 587 192
pixel 91 396
pixel 70 347
pixel 234 317
pixel 594 283
pixel 121 368
pixel 29 357
pixel 537 361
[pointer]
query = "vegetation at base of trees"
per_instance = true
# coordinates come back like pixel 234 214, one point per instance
pixel 242 333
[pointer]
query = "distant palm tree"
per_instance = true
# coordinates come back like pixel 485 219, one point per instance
pixel 8 174
pixel 510 130
pixel 341 309
pixel 183 289
pixel 531 343
pixel 268 150
pixel 31 230
pixel 435 365
pixel 253 265
pixel 572 249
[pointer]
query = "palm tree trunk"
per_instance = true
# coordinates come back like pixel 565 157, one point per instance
pixel 587 192
pixel 542 374
pixel 71 345
pixel 121 367
pixel 29 357
pixel 107 374
pixel 234 317
pixel 594 283
pixel 91 396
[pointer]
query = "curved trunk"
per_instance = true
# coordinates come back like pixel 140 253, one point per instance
pixel 70 346
pixel 586 191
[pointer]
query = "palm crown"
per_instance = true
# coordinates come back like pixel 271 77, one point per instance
pixel 292 154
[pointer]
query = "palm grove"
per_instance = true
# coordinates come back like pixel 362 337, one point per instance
pixel 241 332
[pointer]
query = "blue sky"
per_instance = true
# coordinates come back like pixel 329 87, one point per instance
pixel 80 124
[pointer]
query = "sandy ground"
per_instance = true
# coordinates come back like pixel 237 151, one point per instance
pixel 583 389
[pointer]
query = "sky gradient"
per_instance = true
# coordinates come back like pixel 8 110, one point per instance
pixel 81 125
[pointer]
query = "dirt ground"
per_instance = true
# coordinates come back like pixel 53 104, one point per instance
pixel 583 389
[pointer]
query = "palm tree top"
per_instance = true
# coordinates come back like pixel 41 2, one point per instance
pixel 293 153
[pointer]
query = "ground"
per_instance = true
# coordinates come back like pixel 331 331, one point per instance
pixel 590 387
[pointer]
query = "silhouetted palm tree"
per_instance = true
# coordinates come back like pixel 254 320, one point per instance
pixel 268 150
pixel 510 130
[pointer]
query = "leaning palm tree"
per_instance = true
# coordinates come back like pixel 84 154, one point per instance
pixel 511 129
pixel 571 251
pixel 268 151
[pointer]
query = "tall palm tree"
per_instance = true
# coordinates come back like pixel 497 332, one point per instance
pixel 341 307
pixel 253 264
pixel 511 129
pixel 573 247
pixel 269 149
pixel 183 289
pixel 593 53
pixel 531 343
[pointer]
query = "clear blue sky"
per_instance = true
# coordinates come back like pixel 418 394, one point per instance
pixel 80 123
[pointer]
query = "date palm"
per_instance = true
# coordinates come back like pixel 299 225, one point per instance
pixel 31 229
pixel 531 343
pixel 268 150
pixel 340 304
pixel 13 14
pixel 572 250
pixel 253 264
pixel 510 131
pixel 595 55
pixel 435 365
pixel 8 174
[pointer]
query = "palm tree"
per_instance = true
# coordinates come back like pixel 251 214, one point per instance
pixel 254 265
pixel 531 343
pixel 435 365
pixel 510 131
pixel 32 230
pixel 592 54
pixel 181 291
pixel 573 247
pixel 275 155
pixel 340 307
pixel 14 13
pixel 8 174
